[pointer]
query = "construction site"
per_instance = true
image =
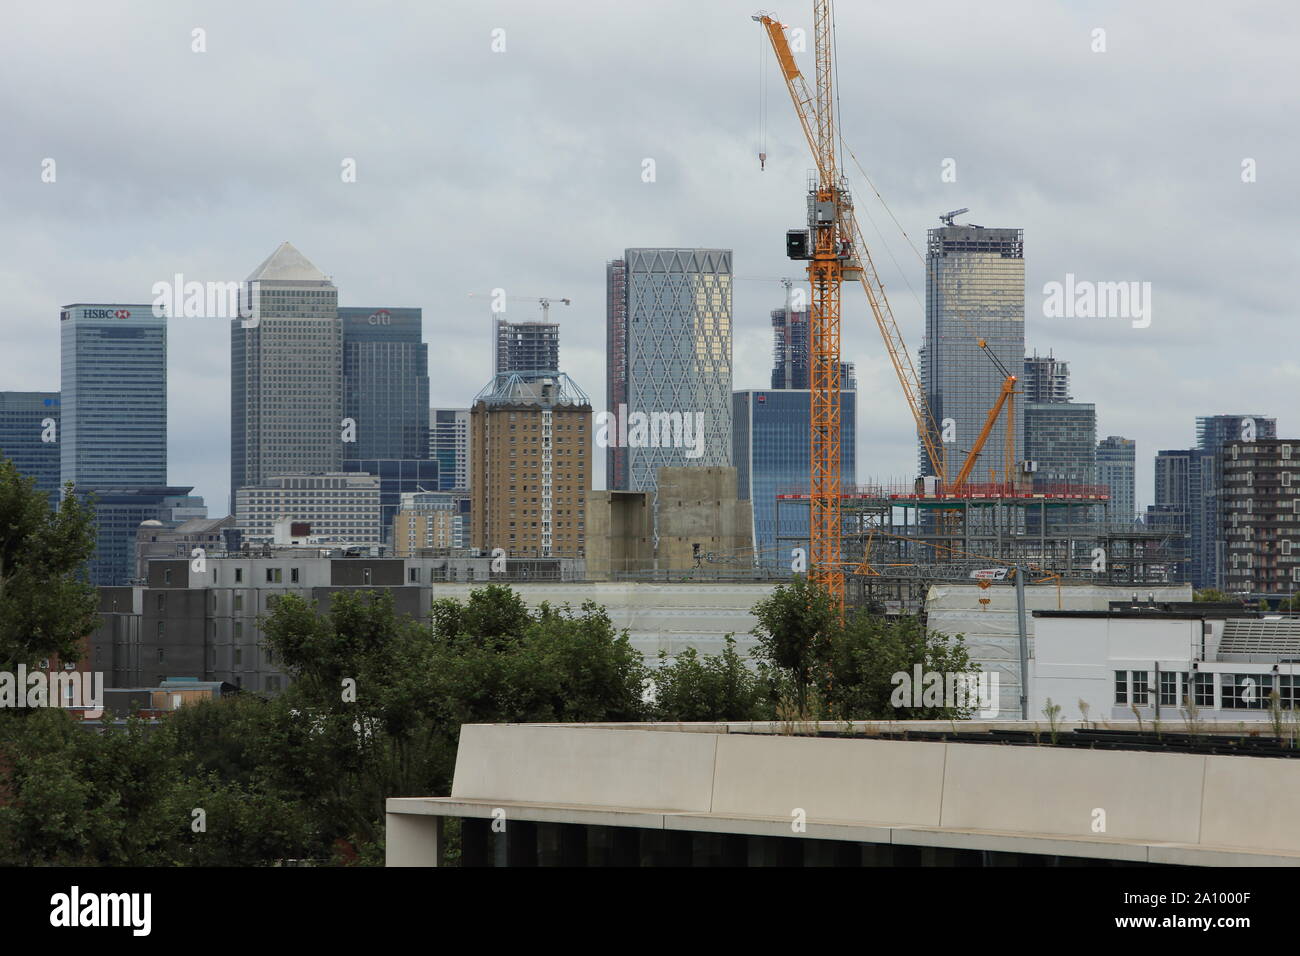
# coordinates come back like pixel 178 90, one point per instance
pixel 882 545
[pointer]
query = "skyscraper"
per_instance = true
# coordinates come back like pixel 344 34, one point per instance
pixel 790 352
pixel 1117 467
pixel 114 396
pixel 385 383
pixel 975 289
pixel 527 346
pixel 770 448
pixel 286 375
pixel 29 437
pixel 669 353
pixel 1061 438
pixel 531 442
pixel 449 445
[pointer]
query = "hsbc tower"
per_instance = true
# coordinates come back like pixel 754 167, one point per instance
pixel 114 391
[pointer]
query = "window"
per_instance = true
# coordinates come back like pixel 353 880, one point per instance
pixel 162 602
pixel 167 576
pixel 1169 688
pixel 274 575
pixel 413 575
pixel 365 575
pixel 1121 687
pixel 1203 689
pixel 239 602
pixel 1288 690
pixel 1140 688
pixel 238 657
pixel 1246 691
pixel 162 655
pixel 293 575
pixel 239 575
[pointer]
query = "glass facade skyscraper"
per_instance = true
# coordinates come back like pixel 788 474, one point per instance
pixel 114 396
pixel 385 383
pixel 669 352
pixel 29 433
pixel 1061 438
pixel 771 454
pixel 975 289
pixel 286 375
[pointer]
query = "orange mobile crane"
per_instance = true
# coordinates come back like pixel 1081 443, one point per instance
pixel 835 250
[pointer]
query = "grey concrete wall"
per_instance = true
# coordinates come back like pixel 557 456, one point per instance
pixel 1114 804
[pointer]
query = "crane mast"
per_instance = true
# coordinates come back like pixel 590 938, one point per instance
pixel 835 250
pixel 826 247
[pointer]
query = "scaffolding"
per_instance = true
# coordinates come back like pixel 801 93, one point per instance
pixel 896 540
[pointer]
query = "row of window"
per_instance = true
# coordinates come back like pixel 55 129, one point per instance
pixel 1236 691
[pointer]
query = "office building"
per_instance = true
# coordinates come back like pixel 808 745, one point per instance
pixel 449 446
pixel 29 437
pixel 1061 440
pixel 340 509
pixel 1117 468
pixel 531 442
pixel 397 477
pixel 113 432
pixel 669 352
pixel 286 375
pixel 975 290
pixel 526 347
pixel 385 383
pixel 1258 497
pixel 770 437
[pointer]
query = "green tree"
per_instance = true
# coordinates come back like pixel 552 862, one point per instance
pixel 848 667
pixel 694 687
pixel 46 605
pixel 855 673
pixel 793 625
pixel 1210 595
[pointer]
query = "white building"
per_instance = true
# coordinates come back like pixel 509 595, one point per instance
pixel 1156 657
pixel 340 508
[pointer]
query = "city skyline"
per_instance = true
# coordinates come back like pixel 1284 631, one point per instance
pixel 1076 198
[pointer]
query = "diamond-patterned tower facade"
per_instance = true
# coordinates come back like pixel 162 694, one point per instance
pixel 676 362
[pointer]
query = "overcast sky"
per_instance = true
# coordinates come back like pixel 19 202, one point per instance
pixel 522 169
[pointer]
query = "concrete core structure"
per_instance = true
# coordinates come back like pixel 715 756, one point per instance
pixel 694 520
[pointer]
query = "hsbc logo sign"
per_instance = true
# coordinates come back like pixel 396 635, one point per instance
pixel 106 313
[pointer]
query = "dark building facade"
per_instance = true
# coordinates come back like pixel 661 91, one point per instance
pixel 385 383
pixel 29 437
